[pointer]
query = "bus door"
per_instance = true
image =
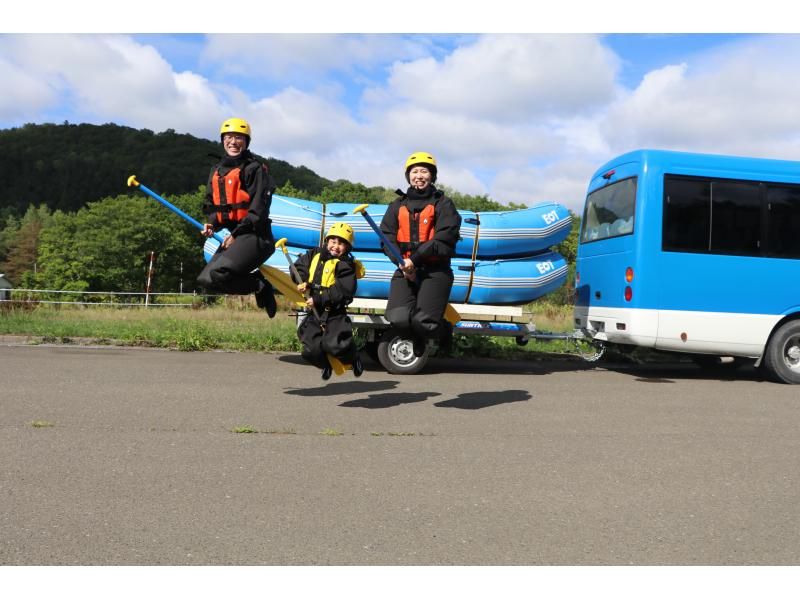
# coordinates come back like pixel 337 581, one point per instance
pixel 606 304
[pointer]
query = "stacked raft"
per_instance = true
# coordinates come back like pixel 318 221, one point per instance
pixel 503 258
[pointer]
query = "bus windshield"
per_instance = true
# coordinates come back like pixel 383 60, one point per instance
pixel 609 211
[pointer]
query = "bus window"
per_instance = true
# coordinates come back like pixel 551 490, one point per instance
pixel 687 214
pixel 711 216
pixel 784 222
pixel 735 218
pixel 609 211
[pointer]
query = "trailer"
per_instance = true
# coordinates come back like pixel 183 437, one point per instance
pixel 394 350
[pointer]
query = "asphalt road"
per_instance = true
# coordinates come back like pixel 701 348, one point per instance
pixel 135 461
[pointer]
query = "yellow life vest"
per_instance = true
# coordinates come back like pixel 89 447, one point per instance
pixel 328 278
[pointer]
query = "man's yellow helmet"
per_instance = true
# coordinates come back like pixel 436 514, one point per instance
pixel 235 125
pixel 422 159
pixel 343 231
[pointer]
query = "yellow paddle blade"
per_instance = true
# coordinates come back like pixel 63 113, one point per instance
pixel 337 366
pixel 451 315
pixel 282 283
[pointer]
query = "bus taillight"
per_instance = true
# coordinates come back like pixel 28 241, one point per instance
pixel 628 293
pixel 629 275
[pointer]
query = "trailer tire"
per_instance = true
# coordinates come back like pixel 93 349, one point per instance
pixel 371 349
pixel 782 355
pixel 396 354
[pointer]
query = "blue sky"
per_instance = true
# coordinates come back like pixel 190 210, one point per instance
pixel 522 117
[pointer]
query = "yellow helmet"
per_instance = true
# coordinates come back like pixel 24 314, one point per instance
pixel 343 231
pixel 422 159
pixel 235 125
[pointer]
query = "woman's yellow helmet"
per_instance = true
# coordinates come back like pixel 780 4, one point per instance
pixel 422 159
pixel 236 125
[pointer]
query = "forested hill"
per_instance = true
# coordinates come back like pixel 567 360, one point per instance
pixel 65 166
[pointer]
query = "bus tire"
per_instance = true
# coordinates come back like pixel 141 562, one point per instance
pixel 782 356
pixel 396 354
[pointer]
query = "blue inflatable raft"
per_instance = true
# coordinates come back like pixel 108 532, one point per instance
pixel 484 235
pixel 510 281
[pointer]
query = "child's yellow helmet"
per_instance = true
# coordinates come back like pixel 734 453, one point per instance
pixel 343 231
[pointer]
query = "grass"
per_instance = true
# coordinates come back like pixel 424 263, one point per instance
pixel 244 430
pixel 40 423
pixel 184 329
pixel 236 325
pixel 331 432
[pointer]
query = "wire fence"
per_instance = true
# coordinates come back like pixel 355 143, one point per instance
pixel 102 298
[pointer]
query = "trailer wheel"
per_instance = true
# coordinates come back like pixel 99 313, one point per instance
pixel 782 356
pixel 396 354
pixel 521 340
pixel 371 349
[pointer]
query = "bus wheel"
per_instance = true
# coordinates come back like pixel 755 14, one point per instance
pixel 396 354
pixel 782 357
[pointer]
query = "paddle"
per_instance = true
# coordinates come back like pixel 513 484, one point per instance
pixel 450 313
pixel 337 366
pixel 278 279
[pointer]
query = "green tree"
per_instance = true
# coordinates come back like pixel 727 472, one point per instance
pixel 69 165
pixel 20 256
pixel 569 249
pixel 289 190
pixel 106 245
pixel 477 203
pixel 343 191
pixel 9 227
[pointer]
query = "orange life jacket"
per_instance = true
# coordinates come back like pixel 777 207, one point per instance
pixel 231 202
pixel 414 228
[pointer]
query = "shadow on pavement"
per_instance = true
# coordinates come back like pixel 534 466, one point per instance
pixel 394 399
pixel 480 400
pixel 492 365
pixel 341 388
pixel 670 372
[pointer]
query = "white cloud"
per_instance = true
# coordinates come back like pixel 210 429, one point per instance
pixel 112 78
pixel 564 182
pixel 294 121
pixel 745 99
pixel 510 78
pixel 25 95
pixel 280 56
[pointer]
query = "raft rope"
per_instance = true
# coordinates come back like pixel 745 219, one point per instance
pixel 307 209
pixel 474 255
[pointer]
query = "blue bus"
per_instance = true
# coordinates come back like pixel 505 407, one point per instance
pixel 694 253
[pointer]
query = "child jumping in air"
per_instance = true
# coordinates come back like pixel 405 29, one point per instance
pixel 329 275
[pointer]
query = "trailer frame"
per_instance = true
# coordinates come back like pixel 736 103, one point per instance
pixel 394 349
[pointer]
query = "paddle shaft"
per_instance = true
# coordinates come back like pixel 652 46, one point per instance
pixel 175 209
pixel 396 255
pixel 297 278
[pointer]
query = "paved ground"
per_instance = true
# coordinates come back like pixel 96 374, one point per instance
pixel 475 462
